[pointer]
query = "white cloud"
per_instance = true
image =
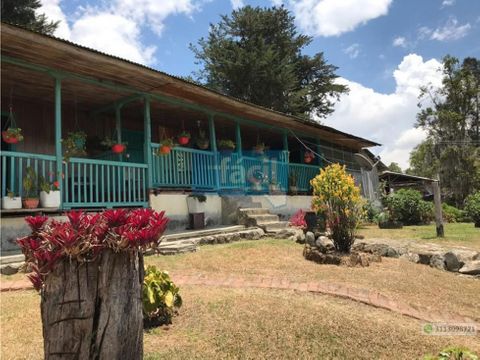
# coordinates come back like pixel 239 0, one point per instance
pixel 116 27
pixel 388 118
pixel 400 42
pixel 236 4
pixel 352 51
pixel 451 31
pixel 334 17
pixel 448 3
pixel 277 2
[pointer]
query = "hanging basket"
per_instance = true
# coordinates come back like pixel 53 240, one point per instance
pixel 165 147
pixel 12 135
pixel 118 148
pixel 308 157
pixel 183 140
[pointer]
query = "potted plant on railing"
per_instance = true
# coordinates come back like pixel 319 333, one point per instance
pixel 11 201
pixel 226 145
pixel 184 138
pixel 202 141
pixel 12 135
pixel 74 145
pixel 30 187
pixel 49 193
pixel 165 147
pixel 274 186
pixel 259 149
pixel 292 182
pixel 117 147
pixel 308 157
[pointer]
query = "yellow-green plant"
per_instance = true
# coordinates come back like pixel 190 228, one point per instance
pixel 335 193
pixel 160 297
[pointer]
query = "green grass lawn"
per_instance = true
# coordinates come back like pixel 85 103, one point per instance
pixel 460 234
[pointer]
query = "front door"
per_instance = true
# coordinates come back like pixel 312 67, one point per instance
pixel 135 141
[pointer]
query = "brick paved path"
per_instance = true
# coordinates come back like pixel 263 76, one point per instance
pixel 366 296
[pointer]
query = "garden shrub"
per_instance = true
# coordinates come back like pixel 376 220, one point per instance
pixel 453 215
pixel 298 219
pixel 408 207
pixel 335 192
pixel 371 212
pixel 161 297
pixel 472 207
pixel 453 353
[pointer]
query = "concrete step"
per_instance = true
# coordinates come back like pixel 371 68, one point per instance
pixel 253 211
pixel 201 233
pixel 177 247
pixel 12 259
pixel 259 218
pixel 273 226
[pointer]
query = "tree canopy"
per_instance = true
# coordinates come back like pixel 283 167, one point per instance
pixel 395 167
pixel 452 122
pixel 23 13
pixel 255 54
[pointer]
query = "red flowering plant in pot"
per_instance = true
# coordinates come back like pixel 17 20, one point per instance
pixel 91 268
pixel 12 135
pixel 165 147
pixel 117 147
pixel 308 157
pixel 184 138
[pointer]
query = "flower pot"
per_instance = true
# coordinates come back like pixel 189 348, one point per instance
pixel 9 139
pixel 203 144
pixel 30 203
pixel 118 148
pixel 10 203
pixel 195 206
pixel 50 199
pixel 183 140
pixel 79 143
pixel 274 188
pixel 293 189
pixel 165 150
pixel 307 159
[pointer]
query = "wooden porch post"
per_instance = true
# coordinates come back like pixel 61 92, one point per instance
pixel 213 145
pixel 147 147
pixel 438 208
pixel 118 126
pixel 58 135
pixel 238 139
pixel 319 151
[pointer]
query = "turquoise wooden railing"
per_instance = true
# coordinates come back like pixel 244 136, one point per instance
pixel 101 183
pixel 270 171
pixel 14 165
pixel 231 171
pixel 304 173
pixel 184 167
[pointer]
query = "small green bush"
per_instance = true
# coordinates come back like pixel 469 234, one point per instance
pixel 472 207
pixel 453 353
pixel 160 297
pixel 407 206
pixel 453 215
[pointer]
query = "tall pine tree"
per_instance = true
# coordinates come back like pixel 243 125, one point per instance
pixel 255 54
pixel 23 13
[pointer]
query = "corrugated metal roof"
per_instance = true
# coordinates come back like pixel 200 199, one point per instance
pixel 295 118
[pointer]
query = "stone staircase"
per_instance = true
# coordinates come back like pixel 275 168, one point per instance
pixel 262 218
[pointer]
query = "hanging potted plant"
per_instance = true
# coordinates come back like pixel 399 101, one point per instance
pixel 183 138
pixel 259 148
pixel 202 141
pixel 226 145
pixel 49 193
pixel 74 145
pixel 308 157
pixel 117 147
pixel 12 135
pixel 30 187
pixel 11 201
pixel 165 147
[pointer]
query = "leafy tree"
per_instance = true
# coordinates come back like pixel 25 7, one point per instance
pixel 22 12
pixel 452 122
pixel 395 167
pixel 255 54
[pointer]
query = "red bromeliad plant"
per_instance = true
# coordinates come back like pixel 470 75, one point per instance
pixel 84 236
pixel 298 219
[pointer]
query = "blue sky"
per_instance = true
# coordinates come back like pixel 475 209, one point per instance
pixel 385 49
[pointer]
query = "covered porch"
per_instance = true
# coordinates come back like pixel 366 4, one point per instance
pixel 106 97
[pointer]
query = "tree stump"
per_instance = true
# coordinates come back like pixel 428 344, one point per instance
pixel 94 310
